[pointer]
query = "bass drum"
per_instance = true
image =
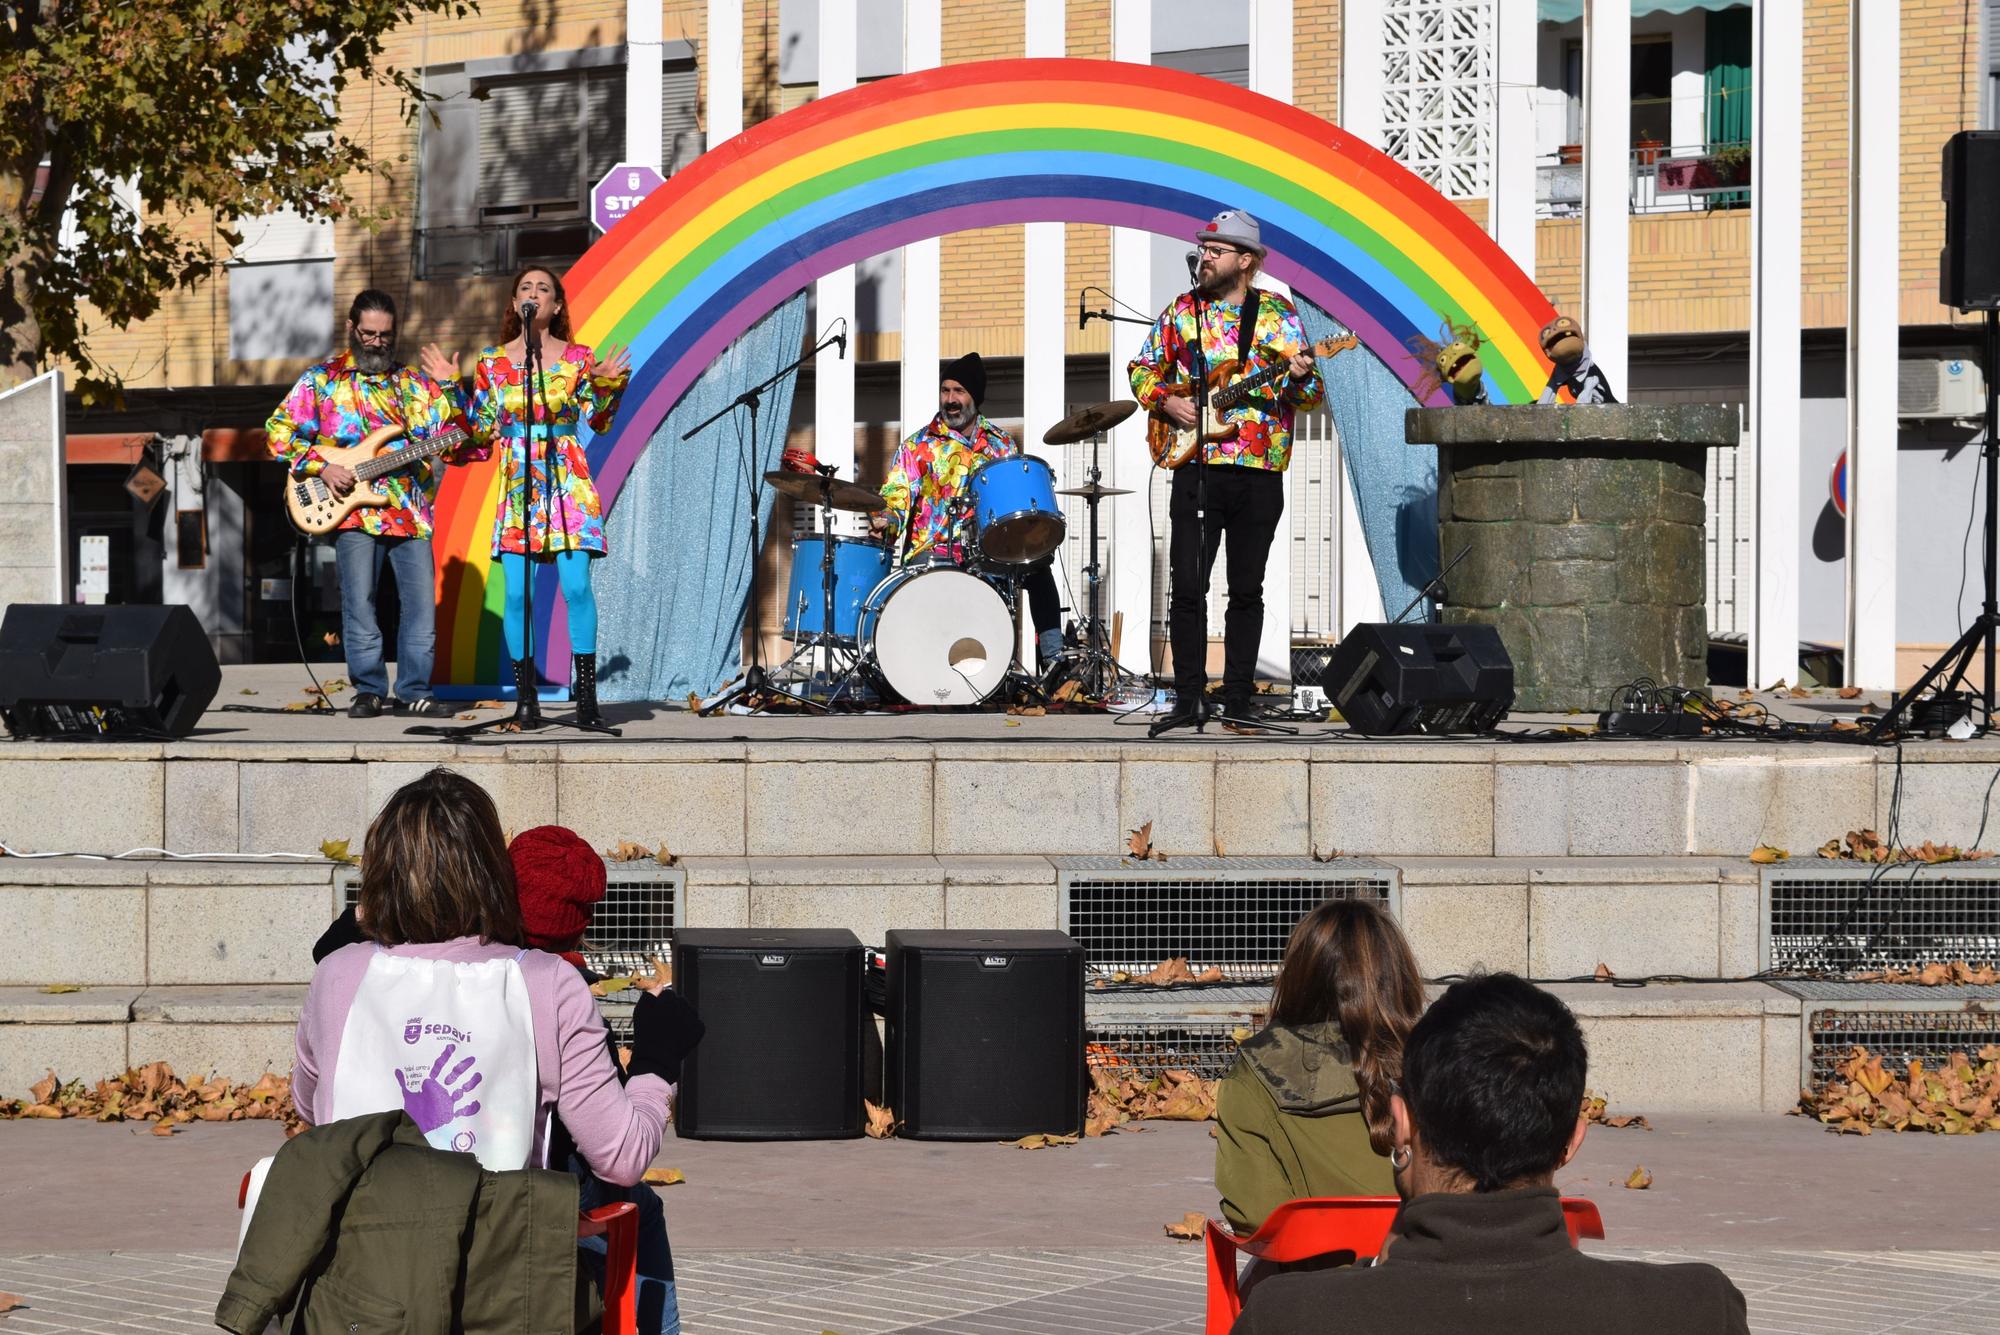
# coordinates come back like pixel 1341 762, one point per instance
pixel 937 636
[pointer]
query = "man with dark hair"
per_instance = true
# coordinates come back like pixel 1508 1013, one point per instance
pixel 339 402
pixel 1489 1109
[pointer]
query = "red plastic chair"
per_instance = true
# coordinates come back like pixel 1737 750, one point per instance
pixel 618 1224
pixel 1302 1229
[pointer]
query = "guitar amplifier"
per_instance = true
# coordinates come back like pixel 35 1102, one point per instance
pixel 985 1034
pixel 781 1059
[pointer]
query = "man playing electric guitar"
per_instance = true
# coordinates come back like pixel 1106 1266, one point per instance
pixel 1245 476
pixel 339 402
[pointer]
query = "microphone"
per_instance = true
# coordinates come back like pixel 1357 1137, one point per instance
pixel 1194 267
pixel 841 339
pixel 528 311
pixel 1082 319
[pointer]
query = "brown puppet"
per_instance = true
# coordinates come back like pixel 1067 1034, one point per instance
pixel 1575 377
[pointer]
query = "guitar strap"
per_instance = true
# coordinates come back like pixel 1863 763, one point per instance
pixel 1246 326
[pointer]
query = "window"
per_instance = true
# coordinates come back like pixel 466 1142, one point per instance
pixel 512 153
pixel 1652 87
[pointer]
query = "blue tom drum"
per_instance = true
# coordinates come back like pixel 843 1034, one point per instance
pixel 1015 509
pixel 859 564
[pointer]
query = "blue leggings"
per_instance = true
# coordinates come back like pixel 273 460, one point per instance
pixel 573 572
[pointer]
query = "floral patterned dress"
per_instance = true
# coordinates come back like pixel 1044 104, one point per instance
pixel 563 512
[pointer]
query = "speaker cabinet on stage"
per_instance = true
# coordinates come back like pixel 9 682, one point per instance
pixel 1969 266
pixel 1389 678
pixel 104 671
pixel 985 1034
pixel 781 1059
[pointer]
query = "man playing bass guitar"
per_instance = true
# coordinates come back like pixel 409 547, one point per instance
pixel 1245 481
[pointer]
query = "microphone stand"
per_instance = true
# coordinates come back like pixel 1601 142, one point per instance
pixel 1198 711
pixel 754 681
pixel 532 372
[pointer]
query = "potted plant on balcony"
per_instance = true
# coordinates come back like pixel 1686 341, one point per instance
pixel 1731 165
pixel 1646 152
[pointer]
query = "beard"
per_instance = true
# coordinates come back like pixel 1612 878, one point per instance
pixel 1215 285
pixel 371 358
pixel 958 419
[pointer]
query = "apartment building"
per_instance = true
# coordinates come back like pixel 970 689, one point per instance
pixel 538 98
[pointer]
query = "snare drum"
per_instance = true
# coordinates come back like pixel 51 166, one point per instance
pixel 936 635
pixel 859 564
pixel 1014 505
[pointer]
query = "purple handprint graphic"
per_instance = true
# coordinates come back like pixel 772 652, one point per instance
pixel 433 1103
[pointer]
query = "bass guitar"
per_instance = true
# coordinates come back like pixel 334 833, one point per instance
pixel 313 506
pixel 1173 445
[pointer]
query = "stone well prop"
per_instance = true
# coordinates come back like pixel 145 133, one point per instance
pixel 1585 536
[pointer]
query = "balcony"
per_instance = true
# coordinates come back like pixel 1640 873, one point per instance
pixel 555 231
pixel 1663 179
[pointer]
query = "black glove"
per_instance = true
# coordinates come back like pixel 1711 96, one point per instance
pixel 665 1030
pixel 345 931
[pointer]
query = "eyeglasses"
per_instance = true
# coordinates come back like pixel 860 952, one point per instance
pixel 1216 252
pixel 375 335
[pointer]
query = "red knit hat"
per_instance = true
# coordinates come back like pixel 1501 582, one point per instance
pixel 559 878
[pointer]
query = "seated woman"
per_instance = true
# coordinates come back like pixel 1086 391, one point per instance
pixel 447 1016
pixel 1305 1109
pixel 1488 1111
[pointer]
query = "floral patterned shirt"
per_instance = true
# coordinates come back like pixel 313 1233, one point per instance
pixel 1264 422
pixel 563 512
pixel 931 468
pixel 334 404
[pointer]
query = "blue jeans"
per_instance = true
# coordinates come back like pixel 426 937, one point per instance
pixel 359 558
pixel 659 1306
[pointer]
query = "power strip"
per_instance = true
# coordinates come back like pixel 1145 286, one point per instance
pixel 1632 723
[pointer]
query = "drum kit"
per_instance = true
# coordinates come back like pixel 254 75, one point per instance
pixel 942 630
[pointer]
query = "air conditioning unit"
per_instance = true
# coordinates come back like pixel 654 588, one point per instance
pixel 1939 387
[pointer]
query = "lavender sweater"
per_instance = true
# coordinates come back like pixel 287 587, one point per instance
pixel 617 1128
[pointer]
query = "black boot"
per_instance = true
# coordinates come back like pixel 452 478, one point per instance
pixel 583 688
pixel 527 705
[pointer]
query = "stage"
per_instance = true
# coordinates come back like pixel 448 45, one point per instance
pixel 1549 856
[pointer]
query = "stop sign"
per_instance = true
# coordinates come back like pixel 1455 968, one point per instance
pixel 620 192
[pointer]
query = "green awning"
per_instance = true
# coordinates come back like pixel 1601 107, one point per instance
pixel 1565 11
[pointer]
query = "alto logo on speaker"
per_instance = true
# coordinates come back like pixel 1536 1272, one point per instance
pixel 773 961
pixel 993 961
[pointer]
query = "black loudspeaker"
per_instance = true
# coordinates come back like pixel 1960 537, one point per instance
pixel 985 1034
pixel 781 1059
pixel 1390 678
pixel 104 671
pixel 1969 265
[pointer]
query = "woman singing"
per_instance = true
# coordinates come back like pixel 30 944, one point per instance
pixel 557 516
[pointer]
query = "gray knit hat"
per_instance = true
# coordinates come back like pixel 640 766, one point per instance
pixel 1237 228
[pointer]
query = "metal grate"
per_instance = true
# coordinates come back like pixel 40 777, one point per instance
pixel 1234 913
pixel 1839 920
pixel 1141 1048
pixel 1898 1033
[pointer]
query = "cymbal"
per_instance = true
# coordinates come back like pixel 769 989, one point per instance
pixel 1087 422
pixel 829 491
pixel 1094 490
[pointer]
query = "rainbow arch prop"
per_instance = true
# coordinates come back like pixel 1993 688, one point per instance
pixel 762 215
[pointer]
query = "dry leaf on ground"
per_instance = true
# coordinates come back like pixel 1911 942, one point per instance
pixel 1850 692
pixel 60 989
pixel 1139 843
pixel 335 850
pixel 1957 973
pixel 1188 1228
pixel 1594 1111
pixel 1027 711
pixel 663 1177
pixel 627 851
pixel 153 1093
pixel 1041 1140
pixel 1764 853
pixel 1956 1099
pixel 881 1121
pixel 1327 856
pixel 10 1301
pixel 1640 1179
pixel 1603 972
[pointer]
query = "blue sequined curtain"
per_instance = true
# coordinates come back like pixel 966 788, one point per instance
pixel 672 589
pixel 1394 485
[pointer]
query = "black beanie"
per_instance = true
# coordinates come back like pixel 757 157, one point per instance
pixel 968 371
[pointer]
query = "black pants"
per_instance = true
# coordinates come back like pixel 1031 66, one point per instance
pixel 1044 604
pixel 1244 503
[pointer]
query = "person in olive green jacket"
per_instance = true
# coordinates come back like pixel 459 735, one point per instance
pixel 1304 1110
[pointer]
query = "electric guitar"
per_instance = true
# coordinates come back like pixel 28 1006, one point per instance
pixel 313 506
pixel 1174 445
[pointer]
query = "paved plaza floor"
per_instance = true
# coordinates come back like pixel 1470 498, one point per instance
pixel 108 1228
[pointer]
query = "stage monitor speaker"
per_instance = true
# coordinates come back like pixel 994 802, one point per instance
pixel 1969 266
pixel 104 671
pixel 1387 678
pixel 781 1059
pixel 985 1034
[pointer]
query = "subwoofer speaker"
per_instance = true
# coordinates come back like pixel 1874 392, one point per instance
pixel 1969 265
pixel 781 1059
pixel 83 671
pixel 1393 678
pixel 985 1036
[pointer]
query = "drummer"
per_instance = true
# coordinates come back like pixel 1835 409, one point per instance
pixel 931 471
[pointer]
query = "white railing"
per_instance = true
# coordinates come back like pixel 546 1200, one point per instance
pixel 1663 180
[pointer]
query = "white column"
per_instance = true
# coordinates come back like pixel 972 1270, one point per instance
pixel 1776 189
pixel 724 69
pixel 923 261
pixel 1510 205
pixel 1607 186
pixel 1361 70
pixel 1131 556
pixel 833 295
pixel 1045 296
pixel 1271 75
pixel 644 88
pixel 1874 242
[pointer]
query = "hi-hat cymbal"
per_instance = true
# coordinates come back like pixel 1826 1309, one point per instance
pixel 1087 422
pixel 829 491
pixel 1094 490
